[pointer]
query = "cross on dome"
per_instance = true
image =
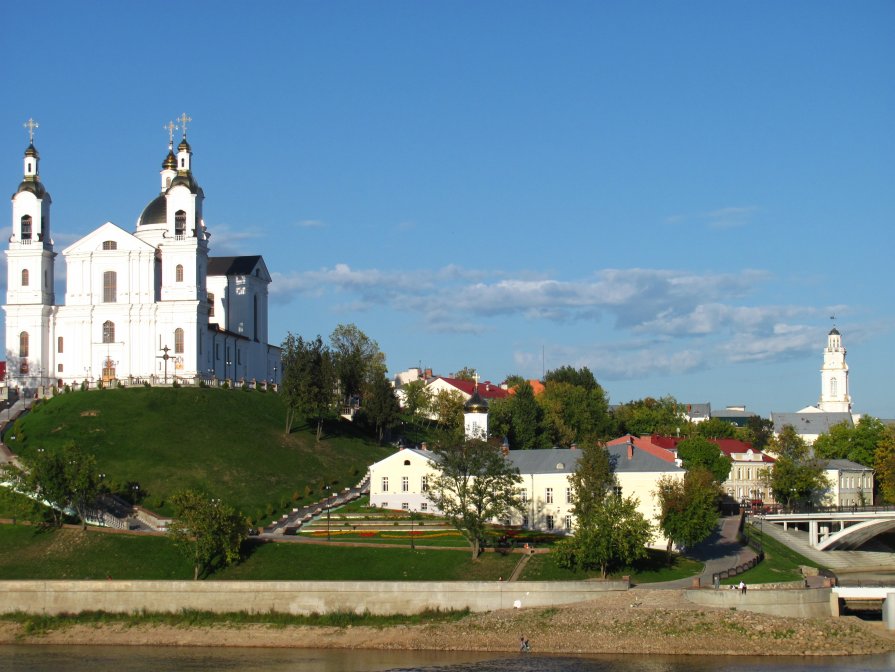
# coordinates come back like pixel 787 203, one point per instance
pixel 31 125
pixel 170 127
pixel 183 119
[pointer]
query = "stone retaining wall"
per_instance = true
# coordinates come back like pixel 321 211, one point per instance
pixel 807 603
pixel 294 597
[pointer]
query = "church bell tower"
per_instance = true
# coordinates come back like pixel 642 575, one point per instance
pixel 834 396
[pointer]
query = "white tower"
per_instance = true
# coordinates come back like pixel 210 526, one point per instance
pixel 834 396
pixel 29 284
pixel 475 416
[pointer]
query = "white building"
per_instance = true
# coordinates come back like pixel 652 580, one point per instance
pixel 148 305
pixel 851 484
pixel 401 481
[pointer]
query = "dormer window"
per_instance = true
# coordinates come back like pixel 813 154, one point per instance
pixel 110 245
pixel 26 227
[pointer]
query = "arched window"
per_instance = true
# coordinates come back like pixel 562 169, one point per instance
pixel 178 341
pixel 23 344
pixel 25 277
pixel 108 331
pixel 110 287
pixel 110 245
pixel 26 227
pixel 834 385
pixel 179 223
pixel 178 273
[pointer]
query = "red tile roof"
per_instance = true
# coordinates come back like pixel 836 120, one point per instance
pixel 487 389
pixel 536 386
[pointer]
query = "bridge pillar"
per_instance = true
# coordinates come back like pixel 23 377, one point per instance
pixel 889 611
pixel 812 533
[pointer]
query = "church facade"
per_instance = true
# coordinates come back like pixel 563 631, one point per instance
pixel 149 305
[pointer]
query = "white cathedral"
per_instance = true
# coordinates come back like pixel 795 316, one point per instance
pixel 150 306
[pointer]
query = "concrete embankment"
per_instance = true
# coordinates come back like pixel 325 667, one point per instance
pixel 813 603
pixel 293 597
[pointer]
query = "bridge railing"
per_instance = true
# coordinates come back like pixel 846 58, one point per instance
pixel 815 508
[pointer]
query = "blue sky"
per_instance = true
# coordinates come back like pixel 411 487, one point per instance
pixel 677 195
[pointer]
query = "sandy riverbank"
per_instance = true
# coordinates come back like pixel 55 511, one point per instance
pixel 642 621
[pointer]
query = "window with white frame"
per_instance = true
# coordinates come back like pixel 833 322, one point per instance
pixel 405 484
pixel 424 484
pixel 568 522
pixel 549 522
pixel 523 495
pixel 424 506
pixel 385 484
pixel 405 506
pixel 568 495
pixel 617 490
pixel 548 496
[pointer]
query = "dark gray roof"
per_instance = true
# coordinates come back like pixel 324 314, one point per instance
pixel 699 410
pixel 843 465
pixel 34 186
pixel 233 265
pixel 733 413
pixel 156 212
pixel 185 180
pixel 834 332
pixel 810 423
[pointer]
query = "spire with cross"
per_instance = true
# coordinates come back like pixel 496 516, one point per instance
pixel 31 125
pixel 184 120
pixel 170 127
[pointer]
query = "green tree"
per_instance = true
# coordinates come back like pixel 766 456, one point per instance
pixel 758 431
pixel 698 452
pixel 592 480
pixel 82 480
pixel 578 377
pixel 358 360
pixel 650 416
pixel 614 535
pixel 466 373
pixel 417 398
pixel 475 484
pixel 884 464
pixel 64 479
pixel 207 531
pixel 796 477
pixel 714 428
pixel 447 406
pixel 689 507
pixel 309 381
pixel 524 416
pixel 381 407
pixel 858 443
pixel 574 414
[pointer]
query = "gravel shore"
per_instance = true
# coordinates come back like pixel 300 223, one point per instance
pixel 645 621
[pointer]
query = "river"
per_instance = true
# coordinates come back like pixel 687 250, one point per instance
pixel 25 658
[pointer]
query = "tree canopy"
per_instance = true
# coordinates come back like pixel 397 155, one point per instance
pixel 207 531
pixel 689 507
pixel 697 452
pixel 796 477
pixel 358 360
pixel 858 443
pixel 381 408
pixel 650 416
pixel 475 484
pixel 309 381
pixel 714 428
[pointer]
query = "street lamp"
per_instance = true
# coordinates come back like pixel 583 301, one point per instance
pixel 328 496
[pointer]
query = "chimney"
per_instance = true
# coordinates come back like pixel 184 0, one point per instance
pixel 630 450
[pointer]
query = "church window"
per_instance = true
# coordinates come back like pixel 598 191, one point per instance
pixel 110 287
pixel 108 331
pixel 178 273
pixel 26 227
pixel 179 223
pixel 23 344
pixel 834 384
pixel 178 341
pixel 59 344
pixel 210 304
pixel 25 277
pixel 110 245
pixel 59 368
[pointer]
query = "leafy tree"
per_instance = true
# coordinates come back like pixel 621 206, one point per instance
pixel 714 428
pixel 475 484
pixel 417 398
pixel 82 480
pixel 206 530
pixel 381 407
pixel 466 373
pixel 884 463
pixel 698 452
pixel 796 477
pixel 64 479
pixel 447 405
pixel 758 431
pixel 514 380
pixel 574 413
pixel 689 507
pixel 614 535
pixel 592 480
pixel 650 416
pixel 858 443
pixel 309 381
pixel 523 419
pixel 578 377
pixel 358 360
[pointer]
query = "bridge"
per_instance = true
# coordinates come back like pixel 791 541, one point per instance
pixel 837 528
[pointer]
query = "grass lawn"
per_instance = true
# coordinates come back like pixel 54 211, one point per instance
pixel 543 567
pixel 448 538
pixel 229 443
pixel 780 564
pixel 14 505
pixel 29 552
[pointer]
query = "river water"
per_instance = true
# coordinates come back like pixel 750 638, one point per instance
pixel 23 658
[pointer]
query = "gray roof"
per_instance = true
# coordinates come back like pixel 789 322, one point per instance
pixel 733 413
pixel 699 410
pixel 233 265
pixel 843 465
pixel 156 212
pixel 810 423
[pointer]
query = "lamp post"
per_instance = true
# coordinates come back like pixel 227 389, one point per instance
pixel 328 496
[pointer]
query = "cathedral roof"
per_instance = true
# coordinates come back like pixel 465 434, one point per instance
pixel 233 265
pixel 34 186
pixel 155 213
pixel 834 332
pixel 187 180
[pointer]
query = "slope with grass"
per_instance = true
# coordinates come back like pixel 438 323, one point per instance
pixel 229 443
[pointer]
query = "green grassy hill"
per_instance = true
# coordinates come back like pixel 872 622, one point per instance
pixel 227 442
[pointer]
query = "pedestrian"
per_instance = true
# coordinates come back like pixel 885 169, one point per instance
pixel 526 648
pixel 742 587
pixel 522 644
